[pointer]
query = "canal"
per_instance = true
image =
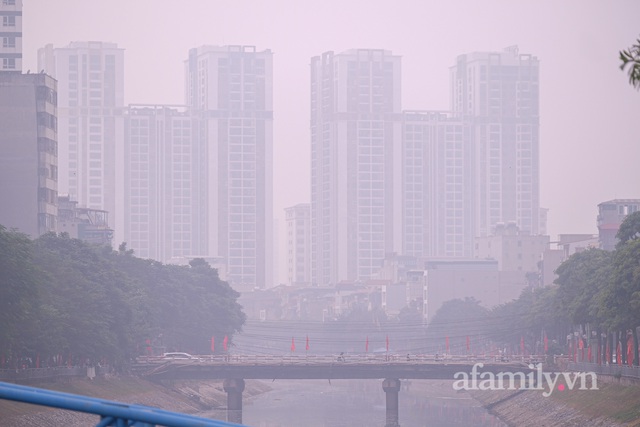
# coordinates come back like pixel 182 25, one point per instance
pixel 361 403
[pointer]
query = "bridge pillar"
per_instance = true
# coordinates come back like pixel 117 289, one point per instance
pixel 391 387
pixel 234 388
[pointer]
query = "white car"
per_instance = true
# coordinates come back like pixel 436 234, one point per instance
pixel 179 356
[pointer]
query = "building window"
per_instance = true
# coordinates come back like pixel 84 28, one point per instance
pixel 8 63
pixel 8 21
pixel 8 42
pixel 9 2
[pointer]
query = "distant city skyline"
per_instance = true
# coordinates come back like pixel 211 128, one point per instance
pixel 587 104
pixel 578 169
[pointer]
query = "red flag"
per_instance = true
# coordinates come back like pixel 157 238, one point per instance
pixel 293 345
pixel 468 344
pixel 546 343
pixel 608 351
pixel 447 344
pixel 589 354
pixel 225 343
pixel 630 350
pixel 307 345
pixel 387 342
pixel 366 345
pixel 521 345
pixel 213 344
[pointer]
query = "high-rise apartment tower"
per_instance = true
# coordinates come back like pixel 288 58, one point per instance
pixel 231 87
pixel 90 127
pixel 355 163
pixel 496 95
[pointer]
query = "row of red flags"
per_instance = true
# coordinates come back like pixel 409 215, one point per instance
pixel 630 355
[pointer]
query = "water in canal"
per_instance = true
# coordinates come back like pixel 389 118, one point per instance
pixel 361 403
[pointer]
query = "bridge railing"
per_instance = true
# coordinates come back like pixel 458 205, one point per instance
pixel 606 369
pixel 302 359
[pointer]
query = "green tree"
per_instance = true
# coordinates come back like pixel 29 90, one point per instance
pixel 631 59
pixel 629 229
pixel 20 282
pixel 580 279
pixel 620 301
pixel 456 320
pixel 62 296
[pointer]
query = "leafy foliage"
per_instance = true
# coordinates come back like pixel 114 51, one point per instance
pixel 581 278
pixel 631 59
pixel 629 229
pixel 455 321
pixel 60 296
pixel 19 286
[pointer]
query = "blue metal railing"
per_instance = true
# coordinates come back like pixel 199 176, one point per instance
pixel 111 413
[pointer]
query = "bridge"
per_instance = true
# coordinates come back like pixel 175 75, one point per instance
pixel 234 369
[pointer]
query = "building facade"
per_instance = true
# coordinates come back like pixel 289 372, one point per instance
pixel 437 190
pixel 231 87
pixel 355 163
pixel 28 159
pixel 298 223
pixel 90 225
pixel 90 105
pixel 611 214
pixel 496 95
pixel 514 250
pixel 11 35
pixel 164 208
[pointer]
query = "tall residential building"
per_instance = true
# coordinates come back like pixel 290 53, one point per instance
pixel 91 99
pixel 11 34
pixel 232 88
pixel 28 159
pixel 611 214
pixel 165 172
pixel 437 189
pixel 298 220
pixel 496 94
pixel 356 127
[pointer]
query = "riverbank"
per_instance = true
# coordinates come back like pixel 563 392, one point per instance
pixel 180 396
pixel 612 405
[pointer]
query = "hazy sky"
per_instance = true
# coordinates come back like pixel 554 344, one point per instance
pixel 590 144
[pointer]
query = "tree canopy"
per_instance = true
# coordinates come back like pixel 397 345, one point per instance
pixel 629 229
pixel 63 297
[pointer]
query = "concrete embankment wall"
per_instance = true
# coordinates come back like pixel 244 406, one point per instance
pixel 613 405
